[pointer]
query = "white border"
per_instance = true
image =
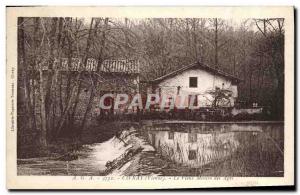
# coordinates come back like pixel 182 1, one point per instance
pixel 186 12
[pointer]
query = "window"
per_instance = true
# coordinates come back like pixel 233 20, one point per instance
pixel 193 82
pixel 193 100
pixel 192 155
pixel 192 137
pixel 171 135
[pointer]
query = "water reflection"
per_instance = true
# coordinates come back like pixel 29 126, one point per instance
pixel 194 149
pixel 220 149
pixel 226 149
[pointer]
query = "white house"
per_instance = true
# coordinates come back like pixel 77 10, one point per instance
pixel 198 80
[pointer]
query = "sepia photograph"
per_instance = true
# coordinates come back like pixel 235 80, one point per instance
pixel 114 96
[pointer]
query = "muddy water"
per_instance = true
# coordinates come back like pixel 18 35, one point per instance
pixel 213 149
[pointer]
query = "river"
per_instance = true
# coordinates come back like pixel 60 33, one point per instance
pixel 180 149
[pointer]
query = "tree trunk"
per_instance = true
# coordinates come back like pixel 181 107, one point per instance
pixel 216 43
pixel 43 133
pixel 22 61
pixel 88 44
pixel 195 39
pixel 95 83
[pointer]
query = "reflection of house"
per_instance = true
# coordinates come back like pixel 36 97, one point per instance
pixel 194 149
pixel 199 80
pixel 240 149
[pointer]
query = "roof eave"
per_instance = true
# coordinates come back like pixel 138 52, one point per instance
pixel 199 64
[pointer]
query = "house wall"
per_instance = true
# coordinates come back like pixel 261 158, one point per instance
pixel 206 81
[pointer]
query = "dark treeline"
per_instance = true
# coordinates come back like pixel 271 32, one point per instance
pixel 252 50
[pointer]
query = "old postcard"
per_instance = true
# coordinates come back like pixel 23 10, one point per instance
pixel 150 97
